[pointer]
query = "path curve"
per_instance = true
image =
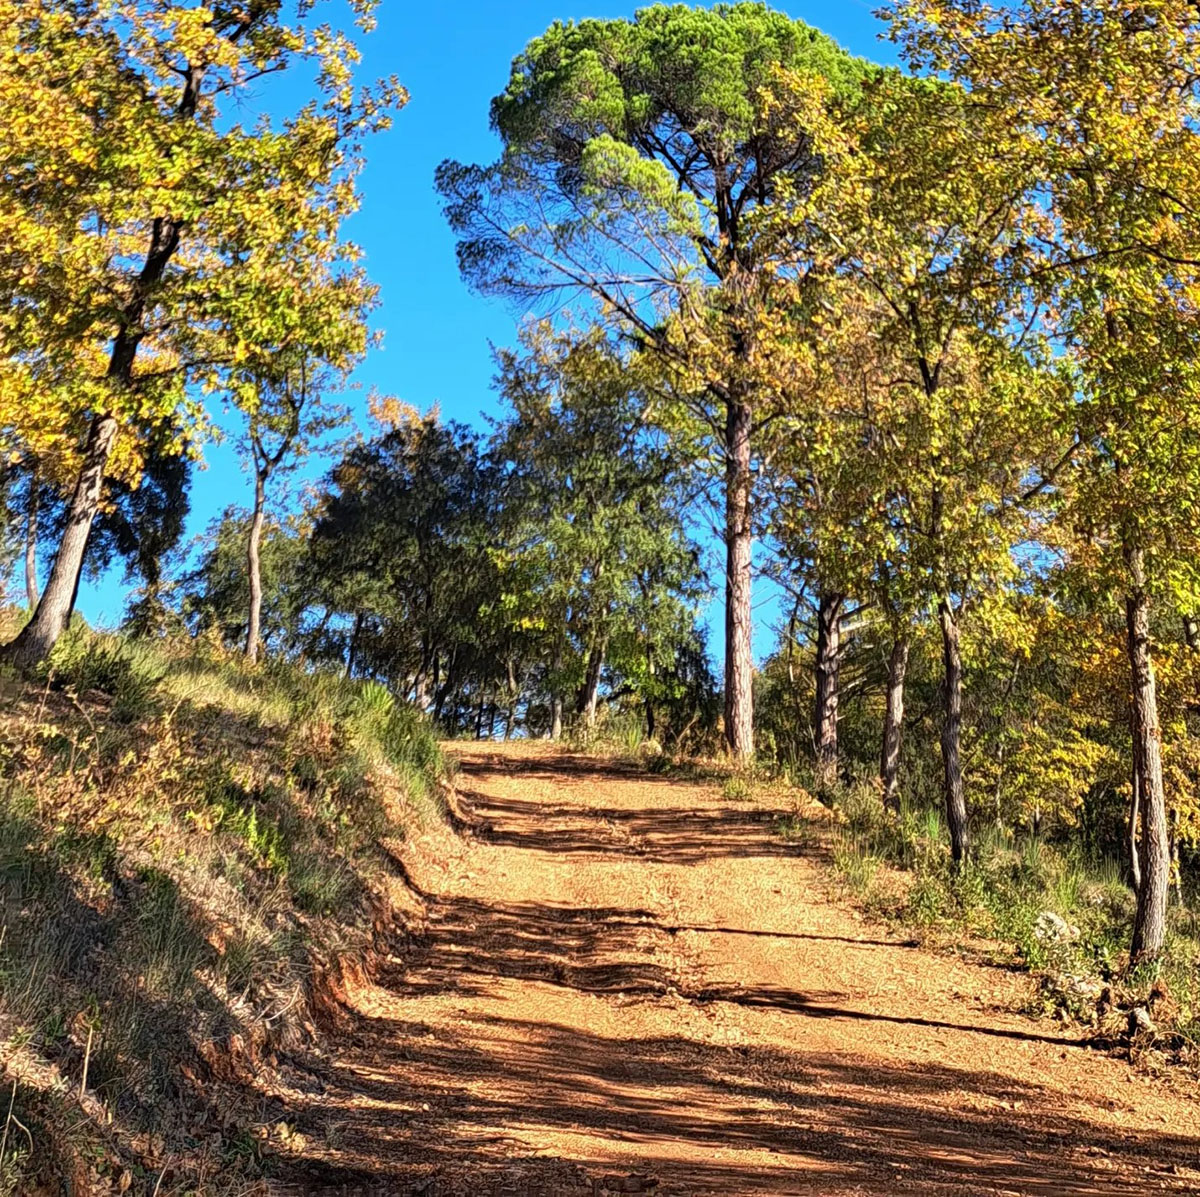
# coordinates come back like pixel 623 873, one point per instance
pixel 628 983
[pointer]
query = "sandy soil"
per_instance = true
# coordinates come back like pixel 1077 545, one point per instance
pixel 633 984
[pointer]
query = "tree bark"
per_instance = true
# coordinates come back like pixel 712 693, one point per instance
pixel 35 641
pixel 254 571
pixel 31 535
pixel 739 660
pixel 556 698
pixel 955 792
pixel 1191 632
pixel 1135 810
pixel 825 713
pixel 1150 922
pixel 447 687
pixel 53 609
pixel 589 696
pixel 1176 870
pixel 514 694
pixel 893 723
pixel 352 649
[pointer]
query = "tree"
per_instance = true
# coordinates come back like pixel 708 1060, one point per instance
pixel 144 228
pixel 285 421
pixel 636 155
pixel 1119 181
pixel 215 595
pixel 597 511
pixel 403 549
pixel 930 228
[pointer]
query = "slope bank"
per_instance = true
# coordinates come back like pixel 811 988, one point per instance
pixel 193 857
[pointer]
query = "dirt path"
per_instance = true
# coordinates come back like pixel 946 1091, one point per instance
pixel 629 983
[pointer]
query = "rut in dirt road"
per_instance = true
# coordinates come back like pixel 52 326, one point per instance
pixel 627 983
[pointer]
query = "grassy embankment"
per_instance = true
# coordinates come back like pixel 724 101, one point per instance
pixel 1033 903
pixel 189 850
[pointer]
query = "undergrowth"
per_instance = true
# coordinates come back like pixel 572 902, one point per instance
pixel 183 841
pixel 1050 908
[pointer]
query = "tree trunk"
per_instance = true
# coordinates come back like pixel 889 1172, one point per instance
pixel 254 571
pixel 1191 632
pixel 893 723
pixel 31 535
pixel 956 800
pixel 448 686
pixel 1176 870
pixel 825 713
pixel 556 699
pixel 514 695
pixel 352 649
pixel 739 660
pixel 589 696
pixel 1150 923
pixel 53 610
pixel 1135 810
pixel 38 637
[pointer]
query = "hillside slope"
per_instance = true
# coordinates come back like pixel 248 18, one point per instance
pixel 629 983
pixel 191 853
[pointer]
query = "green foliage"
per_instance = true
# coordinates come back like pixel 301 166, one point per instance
pixel 215 595
pixel 162 247
pixel 737 789
pixel 126 670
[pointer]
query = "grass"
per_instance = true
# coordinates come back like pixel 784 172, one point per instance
pixel 182 841
pixel 898 865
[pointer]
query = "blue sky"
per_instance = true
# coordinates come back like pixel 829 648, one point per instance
pixel 453 57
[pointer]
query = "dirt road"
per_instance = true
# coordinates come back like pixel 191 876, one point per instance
pixel 628 983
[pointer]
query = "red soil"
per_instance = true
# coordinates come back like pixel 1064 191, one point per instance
pixel 627 983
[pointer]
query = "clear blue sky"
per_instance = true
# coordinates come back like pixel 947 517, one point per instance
pixel 453 56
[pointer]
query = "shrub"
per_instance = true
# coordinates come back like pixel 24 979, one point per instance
pixel 129 672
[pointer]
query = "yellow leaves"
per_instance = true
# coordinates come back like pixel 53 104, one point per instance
pixel 393 413
pixel 92 153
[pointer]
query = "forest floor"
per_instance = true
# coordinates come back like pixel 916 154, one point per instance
pixel 632 983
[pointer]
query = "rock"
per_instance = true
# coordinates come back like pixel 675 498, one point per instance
pixel 1140 1022
pixel 1080 986
pixel 1053 928
pixel 639 1184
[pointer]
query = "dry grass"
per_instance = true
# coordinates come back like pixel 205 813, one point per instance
pixel 182 843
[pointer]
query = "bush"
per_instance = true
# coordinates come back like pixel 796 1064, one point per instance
pixel 127 671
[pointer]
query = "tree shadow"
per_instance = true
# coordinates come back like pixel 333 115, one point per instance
pixel 106 970
pixel 449 1112
pixel 437 1110
pixel 467 1107
pixel 657 835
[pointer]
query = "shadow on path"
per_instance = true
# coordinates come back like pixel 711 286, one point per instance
pixel 459 1106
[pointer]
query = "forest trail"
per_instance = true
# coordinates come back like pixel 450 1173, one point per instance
pixel 630 983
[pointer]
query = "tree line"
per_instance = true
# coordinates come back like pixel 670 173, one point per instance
pixel 925 337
